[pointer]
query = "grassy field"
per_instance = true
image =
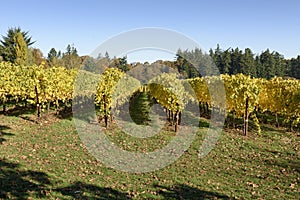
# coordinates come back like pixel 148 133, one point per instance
pixel 48 161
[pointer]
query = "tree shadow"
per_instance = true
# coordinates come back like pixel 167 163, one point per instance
pixel 20 110
pixel 281 158
pixel 65 113
pixel 80 190
pixel 187 192
pixel 286 160
pixel 16 183
pixel 286 164
pixel 23 111
pixel 3 133
pixel 203 123
pixel 20 184
pixel 270 128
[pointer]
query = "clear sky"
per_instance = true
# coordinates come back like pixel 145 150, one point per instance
pixel 257 24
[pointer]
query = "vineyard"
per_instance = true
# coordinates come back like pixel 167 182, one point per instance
pixel 137 100
pixel 246 98
pixel 43 156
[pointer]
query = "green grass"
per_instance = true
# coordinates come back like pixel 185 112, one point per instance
pixel 49 161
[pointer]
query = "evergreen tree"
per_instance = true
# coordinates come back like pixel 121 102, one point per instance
pixel 1 53
pixel 225 63
pixel 268 64
pixel 8 43
pixel 222 59
pixel 52 54
pixel 218 58
pixel 69 50
pixel 20 49
pixel 247 63
pixel 212 54
pixel 280 65
pixel 53 58
pixel 190 63
pixel 106 55
pixel 70 59
pixel 120 63
pixel 294 70
pixel 236 56
pixel 260 71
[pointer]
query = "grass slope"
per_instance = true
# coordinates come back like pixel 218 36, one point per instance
pixel 48 161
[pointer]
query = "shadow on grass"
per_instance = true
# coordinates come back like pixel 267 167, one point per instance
pixel 16 183
pixel 265 127
pixel 3 133
pixel 20 184
pixel 81 190
pixel 203 123
pixel 287 160
pixel 272 155
pixel 187 192
pixel 286 164
pixel 19 110
pixel 65 113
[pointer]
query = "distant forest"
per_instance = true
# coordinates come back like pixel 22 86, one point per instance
pixel 15 47
pixel 230 61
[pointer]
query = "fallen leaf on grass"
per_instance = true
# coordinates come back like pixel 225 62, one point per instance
pixel 252 184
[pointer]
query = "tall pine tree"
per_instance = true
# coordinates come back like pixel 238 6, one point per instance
pixel 8 43
pixel 20 50
pixel 247 63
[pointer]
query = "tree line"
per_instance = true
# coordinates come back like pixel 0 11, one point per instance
pixel 15 47
pixel 264 65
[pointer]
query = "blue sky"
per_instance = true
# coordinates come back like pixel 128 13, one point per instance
pixel 255 24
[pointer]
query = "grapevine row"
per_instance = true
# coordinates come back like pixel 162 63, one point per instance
pixel 245 96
